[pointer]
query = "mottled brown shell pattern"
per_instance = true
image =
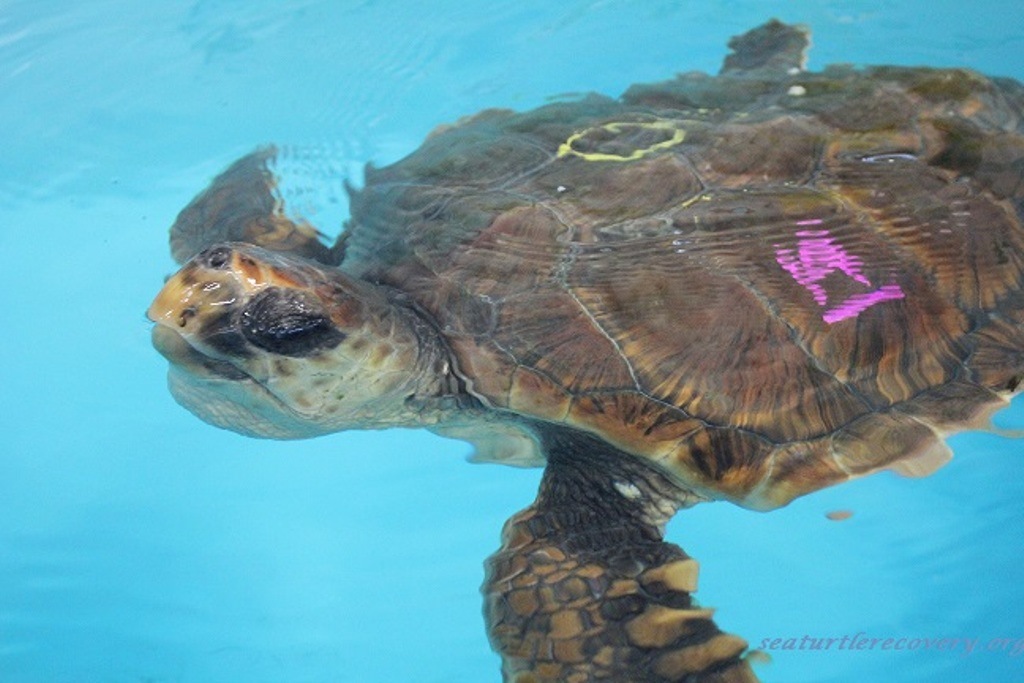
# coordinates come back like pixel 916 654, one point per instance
pixel 766 282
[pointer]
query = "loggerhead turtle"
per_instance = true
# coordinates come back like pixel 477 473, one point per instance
pixel 742 287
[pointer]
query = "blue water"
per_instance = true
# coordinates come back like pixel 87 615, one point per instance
pixel 139 544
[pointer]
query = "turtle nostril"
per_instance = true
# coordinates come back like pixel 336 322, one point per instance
pixel 218 257
pixel 186 315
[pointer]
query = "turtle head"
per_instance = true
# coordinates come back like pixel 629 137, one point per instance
pixel 271 345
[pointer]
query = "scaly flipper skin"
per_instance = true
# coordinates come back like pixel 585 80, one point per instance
pixel 584 588
pixel 241 205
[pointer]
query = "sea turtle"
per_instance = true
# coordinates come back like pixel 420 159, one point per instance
pixel 745 287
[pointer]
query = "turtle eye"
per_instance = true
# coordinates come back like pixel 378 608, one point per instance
pixel 217 258
pixel 288 322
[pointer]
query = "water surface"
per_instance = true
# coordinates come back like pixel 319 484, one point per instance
pixel 139 544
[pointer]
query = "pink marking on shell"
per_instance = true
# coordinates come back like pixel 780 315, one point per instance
pixel 818 255
pixel 858 303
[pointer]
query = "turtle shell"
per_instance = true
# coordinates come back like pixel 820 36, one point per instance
pixel 766 282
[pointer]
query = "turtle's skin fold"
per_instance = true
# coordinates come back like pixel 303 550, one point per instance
pixel 746 287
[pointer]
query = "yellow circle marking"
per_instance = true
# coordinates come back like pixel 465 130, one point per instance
pixel 678 134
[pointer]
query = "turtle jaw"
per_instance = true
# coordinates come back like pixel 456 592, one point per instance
pixel 226 396
pixel 181 354
pixel 223 395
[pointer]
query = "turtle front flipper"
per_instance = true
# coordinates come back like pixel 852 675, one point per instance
pixel 584 588
pixel 242 205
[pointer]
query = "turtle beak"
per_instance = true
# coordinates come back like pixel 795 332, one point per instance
pixel 208 285
pixel 174 306
pixel 180 310
pixel 193 314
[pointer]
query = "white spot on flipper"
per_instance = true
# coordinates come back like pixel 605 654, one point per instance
pixel 628 491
